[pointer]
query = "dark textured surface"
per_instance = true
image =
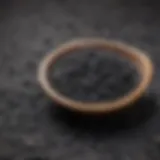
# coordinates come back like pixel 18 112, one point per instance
pixel 94 75
pixel 30 124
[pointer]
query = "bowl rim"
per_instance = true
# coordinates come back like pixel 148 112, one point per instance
pixel 139 59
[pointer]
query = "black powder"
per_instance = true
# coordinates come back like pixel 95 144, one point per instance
pixel 93 76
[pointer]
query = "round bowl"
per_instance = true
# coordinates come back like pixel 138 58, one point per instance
pixel 141 61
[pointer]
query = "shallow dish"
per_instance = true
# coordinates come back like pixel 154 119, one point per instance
pixel 141 61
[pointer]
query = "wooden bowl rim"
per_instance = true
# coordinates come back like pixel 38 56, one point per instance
pixel 138 58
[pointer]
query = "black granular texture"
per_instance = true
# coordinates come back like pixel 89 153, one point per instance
pixel 94 76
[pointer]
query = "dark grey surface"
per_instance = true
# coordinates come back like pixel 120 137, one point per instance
pixel 29 127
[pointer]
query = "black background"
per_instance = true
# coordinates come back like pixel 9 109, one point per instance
pixel 30 123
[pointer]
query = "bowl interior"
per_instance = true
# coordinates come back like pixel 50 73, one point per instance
pixel 92 66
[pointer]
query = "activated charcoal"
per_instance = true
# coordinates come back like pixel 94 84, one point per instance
pixel 93 76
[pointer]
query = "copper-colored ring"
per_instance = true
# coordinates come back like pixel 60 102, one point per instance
pixel 138 58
